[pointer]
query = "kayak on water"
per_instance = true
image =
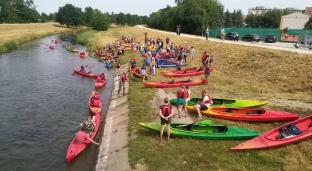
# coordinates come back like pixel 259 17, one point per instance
pixel 289 133
pixel 76 70
pixel 205 131
pixel 82 54
pixel 75 148
pixel 171 84
pixel 137 73
pixel 223 102
pixel 96 107
pixel 99 82
pixel 184 72
pixel 251 114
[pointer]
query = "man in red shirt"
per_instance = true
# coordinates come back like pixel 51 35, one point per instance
pixel 205 59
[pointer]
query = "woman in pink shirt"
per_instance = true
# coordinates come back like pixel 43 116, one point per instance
pixel 81 137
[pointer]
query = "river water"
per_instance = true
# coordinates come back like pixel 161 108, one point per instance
pixel 42 104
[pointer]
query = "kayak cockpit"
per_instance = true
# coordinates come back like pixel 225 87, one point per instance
pixel 195 128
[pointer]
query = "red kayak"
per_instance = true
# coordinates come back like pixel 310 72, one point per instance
pixel 251 114
pixel 97 107
pixel 51 46
pixel 82 54
pixel 171 84
pixel 76 148
pixel 281 136
pixel 184 72
pixel 76 70
pixel 99 82
pixel 98 53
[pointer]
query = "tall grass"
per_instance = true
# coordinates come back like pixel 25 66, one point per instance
pixel 85 37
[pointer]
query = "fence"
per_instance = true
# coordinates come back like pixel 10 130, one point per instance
pixel 292 36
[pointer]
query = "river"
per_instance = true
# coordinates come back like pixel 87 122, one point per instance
pixel 42 104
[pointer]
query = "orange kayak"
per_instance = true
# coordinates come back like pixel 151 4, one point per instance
pixel 184 72
pixel 76 70
pixel 171 84
pixel 100 83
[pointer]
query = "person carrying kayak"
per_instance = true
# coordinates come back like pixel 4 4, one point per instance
pixel 182 94
pixel 165 113
pixel 81 137
pixel 88 125
pixel 204 105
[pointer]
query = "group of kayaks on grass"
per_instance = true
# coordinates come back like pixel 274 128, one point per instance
pixel 231 109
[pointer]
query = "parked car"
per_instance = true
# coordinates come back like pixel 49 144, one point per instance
pixel 230 36
pixel 251 38
pixel 270 38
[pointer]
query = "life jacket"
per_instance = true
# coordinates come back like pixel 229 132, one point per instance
pixel 163 110
pixel 207 101
pixel 124 78
pixel 183 93
pixel 98 79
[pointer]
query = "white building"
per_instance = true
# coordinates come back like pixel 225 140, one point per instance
pixel 258 10
pixel 294 21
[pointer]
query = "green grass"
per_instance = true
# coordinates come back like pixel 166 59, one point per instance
pixel 85 37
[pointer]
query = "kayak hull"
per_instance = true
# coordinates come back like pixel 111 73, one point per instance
pixel 206 132
pixel 75 149
pixel 251 114
pixel 269 139
pixel 94 110
pixel 184 72
pixel 175 84
pixel 76 70
pixel 100 84
pixel 224 102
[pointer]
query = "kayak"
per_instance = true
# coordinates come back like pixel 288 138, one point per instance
pixel 171 84
pixel 228 103
pixel 137 73
pixel 280 136
pixel 85 74
pixel 82 54
pixel 98 108
pixel 251 114
pixel 75 149
pixel 70 49
pixel 101 83
pixel 184 72
pixel 162 63
pixel 205 132
pixel 98 53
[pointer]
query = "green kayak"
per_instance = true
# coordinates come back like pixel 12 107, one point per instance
pixel 206 132
pixel 228 103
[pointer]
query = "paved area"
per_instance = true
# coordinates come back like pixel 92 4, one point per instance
pixel 113 151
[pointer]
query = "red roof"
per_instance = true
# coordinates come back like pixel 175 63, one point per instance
pixel 308 10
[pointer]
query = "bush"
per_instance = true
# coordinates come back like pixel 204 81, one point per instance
pixel 10 45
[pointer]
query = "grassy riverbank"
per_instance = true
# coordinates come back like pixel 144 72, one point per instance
pixel 15 34
pixel 242 72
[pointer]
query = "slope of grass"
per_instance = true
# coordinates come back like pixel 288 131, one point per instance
pixel 240 72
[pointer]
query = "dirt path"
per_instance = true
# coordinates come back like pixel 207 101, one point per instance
pixel 276 46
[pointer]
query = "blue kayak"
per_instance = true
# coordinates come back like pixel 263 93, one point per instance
pixel 165 63
pixel 108 65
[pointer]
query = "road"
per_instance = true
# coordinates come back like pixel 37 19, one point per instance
pixel 277 46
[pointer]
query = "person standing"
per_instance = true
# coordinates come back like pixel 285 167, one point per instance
pixel 165 112
pixel 192 53
pixel 143 73
pixel 205 59
pixel 222 34
pixel 207 31
pixel 207 73
pixel 210 61
pixel 182 94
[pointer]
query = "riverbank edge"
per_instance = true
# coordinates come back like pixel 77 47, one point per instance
pixel 114 148
pixel 13 43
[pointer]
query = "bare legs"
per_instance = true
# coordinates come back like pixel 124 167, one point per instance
pixel 162 132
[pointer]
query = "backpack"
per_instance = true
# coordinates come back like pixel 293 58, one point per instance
pixel 293 128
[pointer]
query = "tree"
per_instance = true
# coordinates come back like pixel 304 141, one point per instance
pixel 121 19
pixel 44 17
pixel 251 21
pixel 238 19
pixel 113 17
pixel 69 15
pixel 88 13
pixel 308 24
pixel 100 21
pixel 52 16
pixel 219 19
pixel 228 19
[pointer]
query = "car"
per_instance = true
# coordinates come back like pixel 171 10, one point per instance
pixel 230 36
pixel 270 38
pixel 251 38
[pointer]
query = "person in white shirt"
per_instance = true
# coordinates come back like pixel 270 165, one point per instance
pixel 192 53
pixel 207 31
pixel 204 105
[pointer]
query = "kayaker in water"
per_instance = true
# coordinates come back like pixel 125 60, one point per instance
pixel 182 94
pixel 82 69
pixel 165 112
pixel 88 125
pixel 93 98
pixel 204 105
pixel 81 137
pixel 103 77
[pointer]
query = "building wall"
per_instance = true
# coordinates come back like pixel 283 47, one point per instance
pixel 293 22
